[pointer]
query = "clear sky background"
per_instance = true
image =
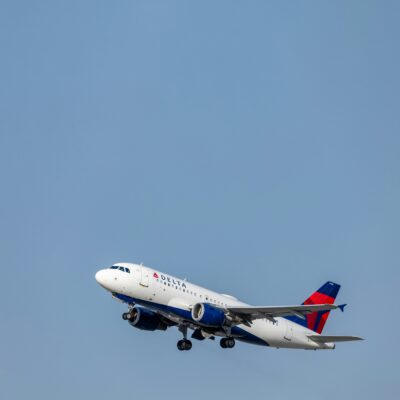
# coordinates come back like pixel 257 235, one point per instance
pixel 252 147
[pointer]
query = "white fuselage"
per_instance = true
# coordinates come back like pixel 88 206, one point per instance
pixel 174 298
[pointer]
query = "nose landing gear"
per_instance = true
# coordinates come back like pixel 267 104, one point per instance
pixel 130 315
pixel 131 312
pixel 227 343
pixel 126 316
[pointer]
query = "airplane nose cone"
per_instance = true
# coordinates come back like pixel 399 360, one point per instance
pixel 100 277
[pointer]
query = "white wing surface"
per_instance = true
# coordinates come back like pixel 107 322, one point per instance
pixel 252 313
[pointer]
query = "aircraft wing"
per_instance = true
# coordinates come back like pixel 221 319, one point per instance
pixel 332 339
pixel 251 313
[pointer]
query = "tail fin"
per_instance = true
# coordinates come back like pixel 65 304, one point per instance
pixel 315 321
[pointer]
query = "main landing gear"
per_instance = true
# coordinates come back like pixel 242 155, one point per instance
pixel 184 344
pixel 227 343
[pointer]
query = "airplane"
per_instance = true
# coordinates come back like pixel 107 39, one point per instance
pixel 157 301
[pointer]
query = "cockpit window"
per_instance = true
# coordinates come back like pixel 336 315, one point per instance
pixel 123 269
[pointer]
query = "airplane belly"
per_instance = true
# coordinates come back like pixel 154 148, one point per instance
pixel 277 334
pixel 261 332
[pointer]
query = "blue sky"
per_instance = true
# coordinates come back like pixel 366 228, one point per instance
pixel 250 147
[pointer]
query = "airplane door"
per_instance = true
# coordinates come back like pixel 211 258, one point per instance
pixel 288 331
pixel 144 280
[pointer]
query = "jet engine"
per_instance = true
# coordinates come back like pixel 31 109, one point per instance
pixel 146 320
pixel 208 315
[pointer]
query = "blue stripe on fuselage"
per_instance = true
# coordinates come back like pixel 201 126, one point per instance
pixel 297 320
pixel 247 337
pixel 244 336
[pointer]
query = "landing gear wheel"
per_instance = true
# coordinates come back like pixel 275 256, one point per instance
pixel 125 316
pixel 227 343
pixel 184 344
pixel 188 344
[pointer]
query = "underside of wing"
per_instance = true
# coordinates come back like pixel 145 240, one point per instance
pixel 333 339
pixel 252 313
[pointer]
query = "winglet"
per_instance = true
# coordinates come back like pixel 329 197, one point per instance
pixel 342 306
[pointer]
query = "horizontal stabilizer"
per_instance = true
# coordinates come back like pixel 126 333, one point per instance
pixel 332 339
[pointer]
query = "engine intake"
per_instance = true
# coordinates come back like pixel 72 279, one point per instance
pixel 146 320
pixel 208 315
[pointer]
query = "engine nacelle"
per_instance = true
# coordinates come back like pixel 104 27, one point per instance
pixel 146 320
pixel 208 315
